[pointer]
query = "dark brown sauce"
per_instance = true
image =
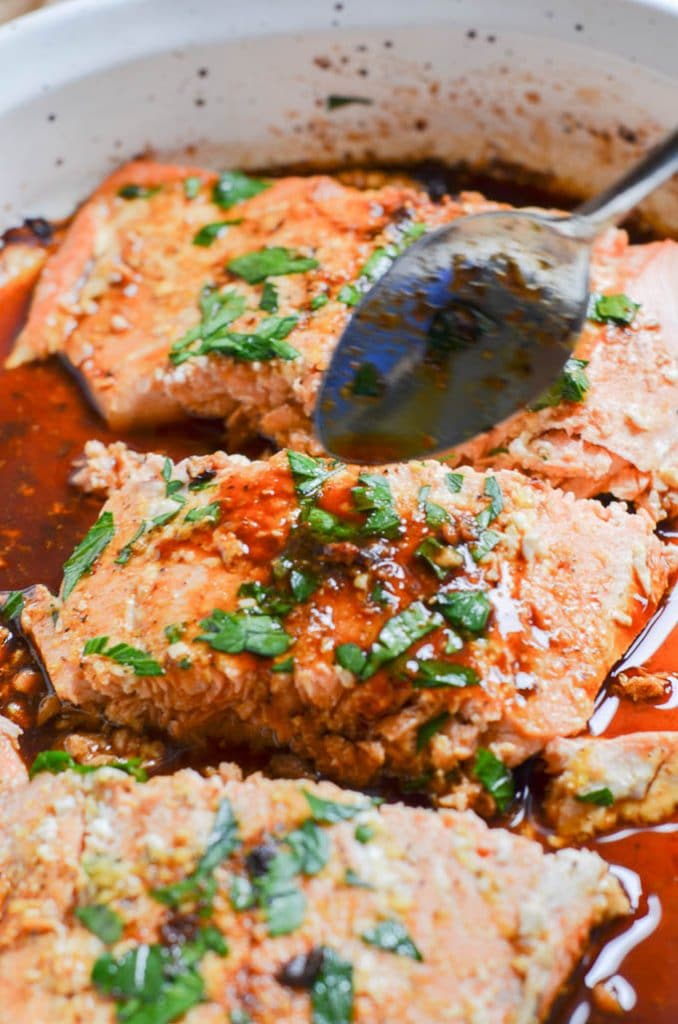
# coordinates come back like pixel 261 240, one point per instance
pixel 44 424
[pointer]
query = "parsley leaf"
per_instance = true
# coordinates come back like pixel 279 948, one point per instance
pixel 310 848
pixel 234 186
pixel 218 310
pixel 492 491
pixel 269 298
pixel 242 894
pixel 464 609
pixel 487 541
pixel 602 797
pixel 95 541
pixel 233 633
pixel 455 481
pixel 199 886
pixel 373 495
pixel 101 921
pixel 334 101
pixel 268 600
pixel 350 657
pixel 441 558
pixel 495 777
pixel 125 552
pixel 174 632
pixel 429 729
pixel 399 633
pixel 571 386
pixel 138 191
pixel 391 936
pixel 355 881
pixel 332 990
pixel 263 343
pixel 210 232
pixel 211 512
pixel 328 527
pixel 613 309
pixel 319 300
pixel 192 186
pixel 309 474
pixel 329 812
pixel 434 673
pixel 284 666
pixel 13 605
pixel 57 761
pixel 363 833
pixel 272 261
pixel 303 584
pixel 132 657
pixel 283 902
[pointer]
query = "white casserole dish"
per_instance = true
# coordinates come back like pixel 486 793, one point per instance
pixel 565 87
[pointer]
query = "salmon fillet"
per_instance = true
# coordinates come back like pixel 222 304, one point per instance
pixel 376 624
pixel 622 437
pixel 404 914
pixel 126 282
pixel 599 783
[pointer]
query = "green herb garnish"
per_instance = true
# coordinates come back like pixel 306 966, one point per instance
pixel 602 797
pixel 329 812
pixel 309 474
pixel 495 777
pixel 13 605
pixel 125 552
pixel 132 657
pixel 138 191
pixel 487 541
pixel 233 633
pixel 234 186
pixel 101 921
pixel 392 937
pixel 319 300
pixel 613 309
pixel 429 729
pixel 373 495
pixel 434 673
pixel 571 386
pixel 398 634
pixel 272 261
pixel 96 540
pixel 464 609
pixel 269 298
pixel 210 232
pixel 455 481
pixel 332 990
pixel 350 657
pixel 364 833
pixel 335 101
pixel 57 761
pixel 492 491
pixel 192 186
pixel 211 513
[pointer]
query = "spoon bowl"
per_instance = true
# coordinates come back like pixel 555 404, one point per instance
pixel 471 323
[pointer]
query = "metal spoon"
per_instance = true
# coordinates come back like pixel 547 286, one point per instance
pixel 471 323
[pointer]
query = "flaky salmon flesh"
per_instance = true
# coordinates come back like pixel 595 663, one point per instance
pixel 178 292
pixel 403 623
pixel 215 899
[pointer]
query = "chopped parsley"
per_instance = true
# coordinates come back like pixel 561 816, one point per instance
pixel 373 495
pixel 269 298
pixel 172 486
pixel 464 609
pixel 200 886
pixel 13 605
pixel 391 936
pixel 283 666
pixel 433 674
pixel 233 633
pixel 132 657
pixel 364 833
pixel 570 386
pixel 242 894
pixel 492 491
pixel 602 797
pixel 429 729
pixel 487 541
pixel 57 761
pixel 454 481
pixel 265 342
pixel 101 921
pixel 310 848
pixel 351 657
pixel 334 101
pixel 281 899
pixel 398 634
pixel 234 186
pixel 309 474
pixel 266 600
pixel 319 300
pixel 211 513
pixel 303 584
pixel 217 311
pixel 126 550
pixel 355 881
pixel 210 232
pixel 272 261
pixel 192 186
pixel 174 632
pixel 332 990
pixel 495 777
pixel 378 263
pixel 329 527
pixel 203 480
pixel 138 191
pixel 96 540
pixel 329 812
pixel 613 309
pixel 441 558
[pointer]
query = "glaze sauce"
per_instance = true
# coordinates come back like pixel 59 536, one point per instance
pixel 44 424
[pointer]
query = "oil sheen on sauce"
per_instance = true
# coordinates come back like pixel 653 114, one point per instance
pixel 44 424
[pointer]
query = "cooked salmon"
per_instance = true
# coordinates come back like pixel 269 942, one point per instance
pixel 598 783
pixel 129 282
pixel 399 624
pixel 213 899
pixel 620 435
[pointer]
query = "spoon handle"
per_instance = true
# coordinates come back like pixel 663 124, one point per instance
pixel 610 206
